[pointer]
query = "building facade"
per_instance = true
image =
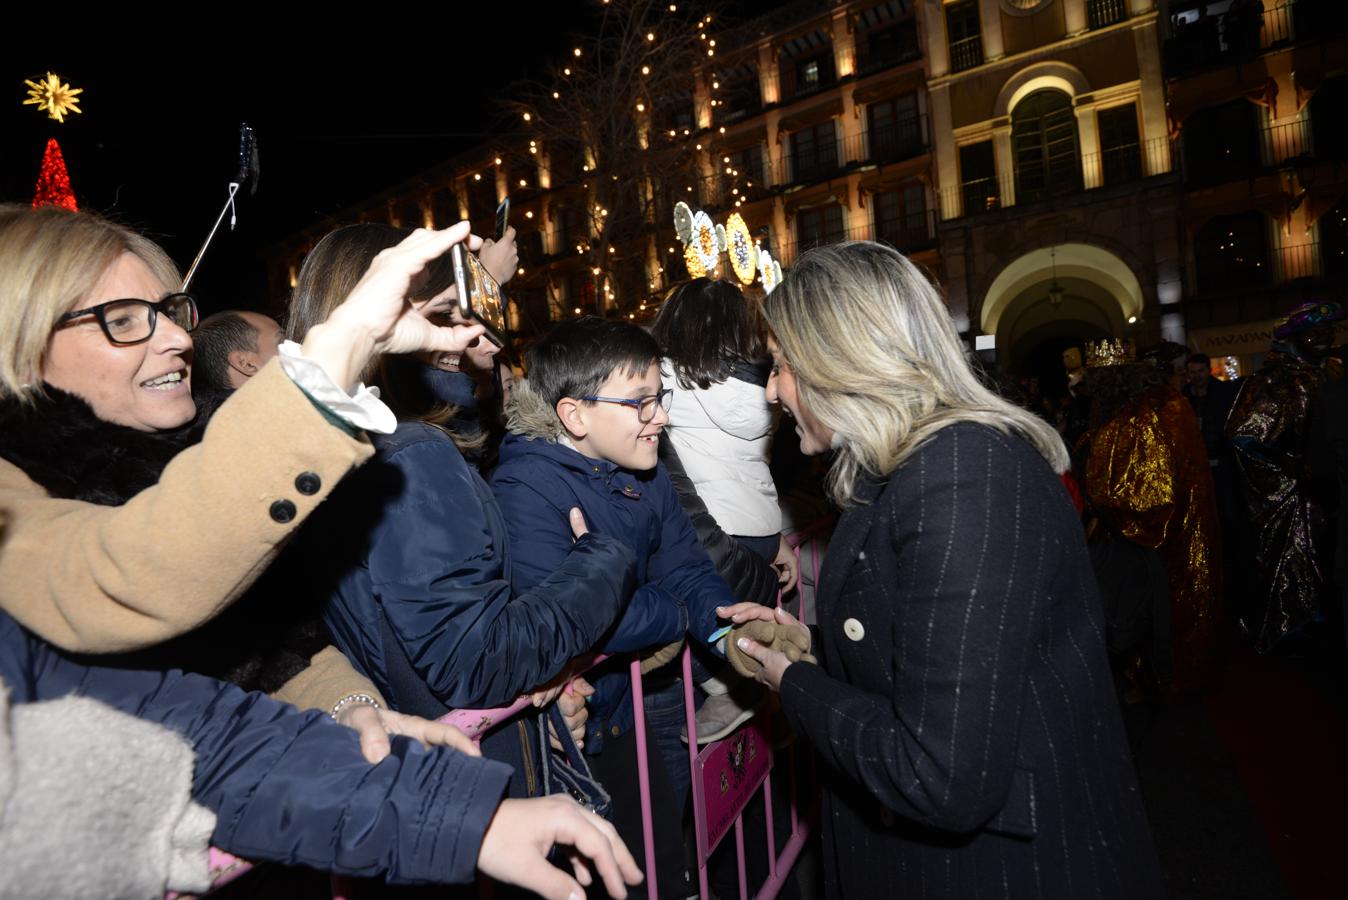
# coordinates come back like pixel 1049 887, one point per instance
pixel 1066 169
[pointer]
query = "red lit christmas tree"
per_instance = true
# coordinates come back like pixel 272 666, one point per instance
pixel 53 182
pixel 57 100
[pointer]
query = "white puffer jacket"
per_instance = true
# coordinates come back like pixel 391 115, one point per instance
pixel 723 435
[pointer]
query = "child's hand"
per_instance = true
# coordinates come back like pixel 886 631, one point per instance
pixel 787 566
pixel 578 527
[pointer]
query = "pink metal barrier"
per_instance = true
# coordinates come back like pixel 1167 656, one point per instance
pixel 725 774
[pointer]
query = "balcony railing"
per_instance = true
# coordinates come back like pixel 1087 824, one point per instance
pixel 1117 165
pixel 822 159
pixel 1296 262
pixel 901 140
pixel 1241 32
pixel 797 247
pixel 1221 272
pixel 966 53
pixel 1290 140
pixel 1101 13
pixel 912 231
pixel 1126 163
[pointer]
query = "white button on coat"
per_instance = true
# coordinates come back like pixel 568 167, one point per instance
pixel 854 629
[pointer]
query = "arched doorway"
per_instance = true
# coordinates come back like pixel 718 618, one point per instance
pixel 1098 294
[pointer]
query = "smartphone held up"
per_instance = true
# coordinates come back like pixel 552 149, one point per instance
pixel 480 297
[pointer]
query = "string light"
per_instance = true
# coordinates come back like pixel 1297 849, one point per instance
pixel 566 71
pixel 498 160
pixel 650 35
pixel 577 52
pixel 477 176
pixel 528 117
pixel 645 70
pixel 529 214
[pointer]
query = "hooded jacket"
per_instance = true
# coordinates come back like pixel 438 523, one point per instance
pixel 537 483
pixel 723 435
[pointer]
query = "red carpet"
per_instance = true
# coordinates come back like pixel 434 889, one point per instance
pixel 1289 744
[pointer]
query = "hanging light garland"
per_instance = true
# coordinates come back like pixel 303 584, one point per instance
pixel 704 242
pixel 741 248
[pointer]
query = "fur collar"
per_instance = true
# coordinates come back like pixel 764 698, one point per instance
pixel 59 443
pixel 530 416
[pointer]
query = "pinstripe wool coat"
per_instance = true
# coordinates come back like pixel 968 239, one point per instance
pixel 963 707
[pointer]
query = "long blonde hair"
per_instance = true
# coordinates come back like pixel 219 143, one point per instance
pixel 50 259
pixel 878 361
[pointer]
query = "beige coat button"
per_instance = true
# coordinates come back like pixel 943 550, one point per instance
pixel 854 629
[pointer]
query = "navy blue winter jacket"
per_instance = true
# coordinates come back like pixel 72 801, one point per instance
pixel 678 590
pixel 288 786
pixel 426 600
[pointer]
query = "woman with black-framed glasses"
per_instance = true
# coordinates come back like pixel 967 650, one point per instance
pixel 132 321
pixel 118 532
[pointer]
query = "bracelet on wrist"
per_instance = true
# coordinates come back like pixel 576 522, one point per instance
pixel 353 700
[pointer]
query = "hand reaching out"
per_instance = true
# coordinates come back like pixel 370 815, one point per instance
pixel 787 565
pixel 375 726
pixel 515 849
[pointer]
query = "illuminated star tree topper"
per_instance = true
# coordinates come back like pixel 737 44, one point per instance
pixel 53 96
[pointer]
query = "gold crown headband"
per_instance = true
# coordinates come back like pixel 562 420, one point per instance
pixel 1110 353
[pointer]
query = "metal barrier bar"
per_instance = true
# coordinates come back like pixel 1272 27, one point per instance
pixel 476 722
pixel 644 778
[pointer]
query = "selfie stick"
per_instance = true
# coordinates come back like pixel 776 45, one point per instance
pixel 247 166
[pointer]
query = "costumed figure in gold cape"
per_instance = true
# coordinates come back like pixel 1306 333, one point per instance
pixel 1145 473
pixel 1268 430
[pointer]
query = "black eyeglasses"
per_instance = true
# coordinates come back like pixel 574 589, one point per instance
pixel 645 406
pixel 127 322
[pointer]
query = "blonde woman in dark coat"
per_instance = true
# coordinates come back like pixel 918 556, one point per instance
pixel 962 705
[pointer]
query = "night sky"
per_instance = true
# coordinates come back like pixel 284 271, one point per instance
pixel 342 109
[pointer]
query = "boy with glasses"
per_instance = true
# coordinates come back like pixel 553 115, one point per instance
pixel 584 431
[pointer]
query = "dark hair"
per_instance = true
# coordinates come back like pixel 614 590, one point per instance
pixel 338 261
pixel 578 356
pixel 705 327
pixel 213 340
pixel 1201 358
pixel 329 273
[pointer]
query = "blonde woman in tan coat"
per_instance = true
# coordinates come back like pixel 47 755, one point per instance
pixel 88 310
pixel 94 578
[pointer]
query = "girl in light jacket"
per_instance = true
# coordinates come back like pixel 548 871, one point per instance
pixel 720 421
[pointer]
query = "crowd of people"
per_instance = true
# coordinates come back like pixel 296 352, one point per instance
pixel 273 554
pixel 1211 503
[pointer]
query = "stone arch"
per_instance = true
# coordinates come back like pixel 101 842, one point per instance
pixel 1102 293
pixel 1058 75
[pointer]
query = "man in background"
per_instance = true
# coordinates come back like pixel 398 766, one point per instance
pixel 229 348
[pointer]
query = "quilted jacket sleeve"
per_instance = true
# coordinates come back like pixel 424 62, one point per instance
pixel 442 584
pixel 288 786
